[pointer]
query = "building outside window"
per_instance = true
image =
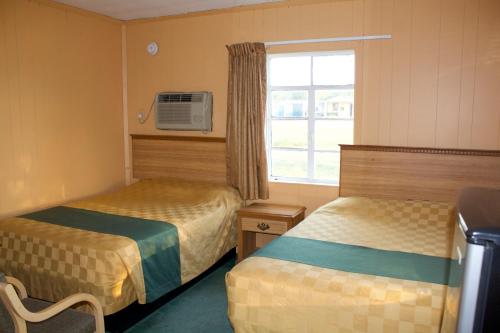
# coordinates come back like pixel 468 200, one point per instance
pixel 310 111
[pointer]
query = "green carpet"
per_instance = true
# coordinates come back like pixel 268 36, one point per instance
pixel 201 308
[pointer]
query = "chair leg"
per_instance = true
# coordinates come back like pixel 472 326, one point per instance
pixel 6 293
pixel 19 324
pixel 99 319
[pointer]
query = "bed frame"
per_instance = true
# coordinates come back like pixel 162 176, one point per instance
pixel 415 173
pixel 181 157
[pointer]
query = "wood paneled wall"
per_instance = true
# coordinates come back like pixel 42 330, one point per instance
pixel 434 84
pixel 61 122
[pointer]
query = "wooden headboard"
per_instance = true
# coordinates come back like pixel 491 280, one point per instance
pixel 181 157
pixel 415 173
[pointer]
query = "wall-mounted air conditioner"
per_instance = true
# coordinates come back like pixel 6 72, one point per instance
pixel 189 111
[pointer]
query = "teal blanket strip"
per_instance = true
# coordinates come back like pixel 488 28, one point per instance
pixel 158 242
pixel 359 259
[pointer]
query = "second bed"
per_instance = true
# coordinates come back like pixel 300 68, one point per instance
pixel 377 259
pixel 350 266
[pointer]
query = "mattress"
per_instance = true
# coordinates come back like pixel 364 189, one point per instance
pixel 285 287
pixel 55 259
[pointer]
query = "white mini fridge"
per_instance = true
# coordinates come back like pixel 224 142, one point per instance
pixel 473 297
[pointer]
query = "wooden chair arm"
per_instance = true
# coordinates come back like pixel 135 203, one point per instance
pixel 54 309
pixel 18 285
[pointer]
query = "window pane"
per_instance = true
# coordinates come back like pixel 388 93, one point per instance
pixel 326 166
pixel 333 69
pixel 289 133
pixel 328 134
pixel 289 104
pixel 287 163
pixel 334 104
pixel 290 71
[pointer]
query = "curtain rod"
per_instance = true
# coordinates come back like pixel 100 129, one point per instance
pixel 325 40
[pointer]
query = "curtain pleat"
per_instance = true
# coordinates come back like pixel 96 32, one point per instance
pixel 246 107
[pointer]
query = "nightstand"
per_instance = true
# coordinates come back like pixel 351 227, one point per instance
pixel 260 223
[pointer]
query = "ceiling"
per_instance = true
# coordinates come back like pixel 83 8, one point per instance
pixel 134 9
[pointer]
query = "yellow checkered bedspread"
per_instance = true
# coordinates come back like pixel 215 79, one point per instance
pixel 55 261
pixel 271 295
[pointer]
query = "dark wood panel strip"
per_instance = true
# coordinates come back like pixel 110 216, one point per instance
pixel 178 138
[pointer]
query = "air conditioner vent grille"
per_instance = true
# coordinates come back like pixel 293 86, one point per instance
pixel 180 98
pixel 184 111
pixel 175 114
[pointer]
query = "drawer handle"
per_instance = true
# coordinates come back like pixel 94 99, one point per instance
pixel 263 226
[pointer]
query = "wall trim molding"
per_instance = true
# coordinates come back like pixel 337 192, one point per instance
pixel 178 138
pixel 126 141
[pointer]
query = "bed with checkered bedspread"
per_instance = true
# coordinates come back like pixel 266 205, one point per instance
pixel 54 261
pixel 268 294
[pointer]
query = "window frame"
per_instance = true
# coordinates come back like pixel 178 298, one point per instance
pixel 311 116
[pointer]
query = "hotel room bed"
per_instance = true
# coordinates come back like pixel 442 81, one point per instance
pixel 133 244
pixel 377 259
pixel 354 265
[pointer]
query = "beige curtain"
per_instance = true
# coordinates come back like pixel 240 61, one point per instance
pixel 246 107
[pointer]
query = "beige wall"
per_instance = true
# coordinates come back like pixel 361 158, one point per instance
pixel 61 123
pixel 435 83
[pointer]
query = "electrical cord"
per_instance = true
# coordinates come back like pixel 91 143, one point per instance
pixel 149 112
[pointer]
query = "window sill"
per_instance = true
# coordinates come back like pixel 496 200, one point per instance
pixel 288 181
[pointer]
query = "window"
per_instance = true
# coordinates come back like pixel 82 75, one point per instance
pixel 310 112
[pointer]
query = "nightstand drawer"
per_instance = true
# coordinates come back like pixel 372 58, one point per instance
pixel 265 226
